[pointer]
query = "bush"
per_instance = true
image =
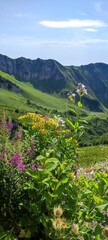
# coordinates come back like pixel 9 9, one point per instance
pixel 41 194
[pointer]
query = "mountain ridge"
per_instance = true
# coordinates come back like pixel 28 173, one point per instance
pixel 50 76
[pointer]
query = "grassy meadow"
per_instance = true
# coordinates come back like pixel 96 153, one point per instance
pixel 89 156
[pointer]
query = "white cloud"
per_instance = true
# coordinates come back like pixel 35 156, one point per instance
pixel 90 29
pixel 73 23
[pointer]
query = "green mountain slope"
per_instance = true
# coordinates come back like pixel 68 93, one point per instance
pixel 24 97
pixel 51 77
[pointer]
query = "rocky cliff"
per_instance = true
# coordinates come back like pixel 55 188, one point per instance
pixel 50 76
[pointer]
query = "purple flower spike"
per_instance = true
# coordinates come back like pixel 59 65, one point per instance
pixel 21 166
pixel 15 159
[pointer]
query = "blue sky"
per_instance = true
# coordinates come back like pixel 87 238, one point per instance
pixel 73 32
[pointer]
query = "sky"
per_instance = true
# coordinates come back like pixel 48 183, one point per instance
pixel 73 32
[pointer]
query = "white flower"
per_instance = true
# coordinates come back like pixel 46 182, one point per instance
pixel 81 89
pixel 61 122
pixel 70 94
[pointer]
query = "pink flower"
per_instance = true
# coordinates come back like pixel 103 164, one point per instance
pixel 33 167
pixel 21 166
pixel 15 159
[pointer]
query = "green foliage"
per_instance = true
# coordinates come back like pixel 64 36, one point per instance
pixel 42 196
pixel 96 132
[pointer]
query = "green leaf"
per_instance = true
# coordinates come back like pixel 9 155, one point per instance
pixel 70 123
pixel 41 159
pixel 79 104
pixel 60 188
pixel 98 230
pixel 51 164
pixel 33 173
pixel 28 234
pixel 97 199
pixel 72 110
pixel 76 126
pixel 22 233
pixel 103 206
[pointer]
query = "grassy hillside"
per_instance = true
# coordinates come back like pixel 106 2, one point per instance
pixel 29 99
pixel 88 156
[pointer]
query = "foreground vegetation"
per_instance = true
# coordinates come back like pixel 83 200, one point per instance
pixel 42 195
pixel 45 192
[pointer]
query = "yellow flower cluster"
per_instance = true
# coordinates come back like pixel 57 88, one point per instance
pixel 31 116
pixel 39 123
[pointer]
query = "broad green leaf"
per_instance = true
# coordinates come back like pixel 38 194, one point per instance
pixel 103 206
pixel 64 180
pixel 41 159
pixel 51 164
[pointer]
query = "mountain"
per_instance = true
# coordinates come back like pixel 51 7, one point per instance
pixel 46 75
pixel 51 77
pixel 21 97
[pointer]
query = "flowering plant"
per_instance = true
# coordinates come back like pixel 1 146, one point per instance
pixel 41 193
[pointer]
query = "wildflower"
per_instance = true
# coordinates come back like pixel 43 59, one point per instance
pixel 29 151
pixel 71 96
pixel 61 122
pixel 58 211
pixel 15 159
pixel 43 131
pixel 19 134
pixel 33 167
pixel 81 89
pixel 21 166
pixel 9 127
pixel 75 228
pixel 64 223
pixel 59 223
